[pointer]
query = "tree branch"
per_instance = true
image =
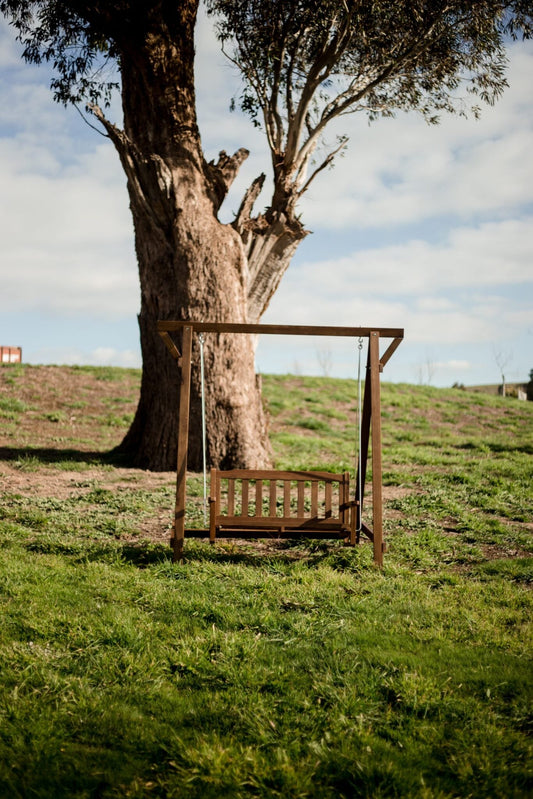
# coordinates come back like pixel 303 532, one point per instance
pixel 245 211
pixel 117 136
pixel 224 172
pixel 140 170
pixel 327 161
pixel 269 252
pixel 328 55
pixel 93 127
pixel 353 95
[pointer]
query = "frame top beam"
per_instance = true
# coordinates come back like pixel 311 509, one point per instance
pixel 281 330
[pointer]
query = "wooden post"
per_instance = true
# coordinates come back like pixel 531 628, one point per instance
pixel 377 511
pixel 183 445
pixel 214 506
pixel 366 417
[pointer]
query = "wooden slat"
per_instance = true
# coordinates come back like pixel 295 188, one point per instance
pixel 327 500
pixel 231 497
pixel 272 498
pixel 344 497
pixel 268 474
pixel 301 487
pixel 287 498
pixel 250 531
pixel 218 488
pixel 258 498
pixel 314 498
pixel 244 496
pixel 298 522
pixel 214 505
pixel 336 496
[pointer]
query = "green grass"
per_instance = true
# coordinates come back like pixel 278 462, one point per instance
pixel 296 671
pixel 55 416
pixel 310 678
pixel 10 372
pixel 11 407
pixel 112 374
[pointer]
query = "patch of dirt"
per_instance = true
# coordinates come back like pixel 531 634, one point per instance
pixel 57 445
pixel 60 484
pixel 67 407
pixel 494 552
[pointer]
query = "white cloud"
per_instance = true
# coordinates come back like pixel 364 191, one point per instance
pixel 27 105
pixel 454 365
pixel 67 240
pixel 492 254
pixel 100 356
pixel 65 227
pixel 449 326
pixel 108 356
pixel 9 49
pixel 440 293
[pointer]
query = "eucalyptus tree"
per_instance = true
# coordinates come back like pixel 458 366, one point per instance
pixel 303 63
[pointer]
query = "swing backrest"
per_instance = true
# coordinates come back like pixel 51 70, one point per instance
pixel 279 500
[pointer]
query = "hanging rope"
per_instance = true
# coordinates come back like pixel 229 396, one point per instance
pixel 359 438
pixel 204 457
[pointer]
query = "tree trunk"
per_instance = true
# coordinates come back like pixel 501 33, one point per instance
pixel 199 277
pixel 190 265
pixel 194 269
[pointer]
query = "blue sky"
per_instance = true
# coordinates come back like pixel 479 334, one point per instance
pixel 426 228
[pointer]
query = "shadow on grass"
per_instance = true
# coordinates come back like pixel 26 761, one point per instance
pixel 265 554
pixel 48 455
pixel 282 557
pixel 494 446
pixel 144 554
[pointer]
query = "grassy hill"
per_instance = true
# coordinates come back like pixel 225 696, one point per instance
pixel 274 670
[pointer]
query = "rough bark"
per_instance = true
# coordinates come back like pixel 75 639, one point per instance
pixel 269 244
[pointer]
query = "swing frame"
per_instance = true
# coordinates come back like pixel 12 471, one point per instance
pixel 370 416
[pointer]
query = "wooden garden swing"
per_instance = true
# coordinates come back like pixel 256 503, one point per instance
pixel 296 504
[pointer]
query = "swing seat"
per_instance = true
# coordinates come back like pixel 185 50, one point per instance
pixel 262 503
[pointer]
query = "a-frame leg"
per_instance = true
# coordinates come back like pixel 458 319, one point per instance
pixel 377 493
pixel 183 445
pixel 365 438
